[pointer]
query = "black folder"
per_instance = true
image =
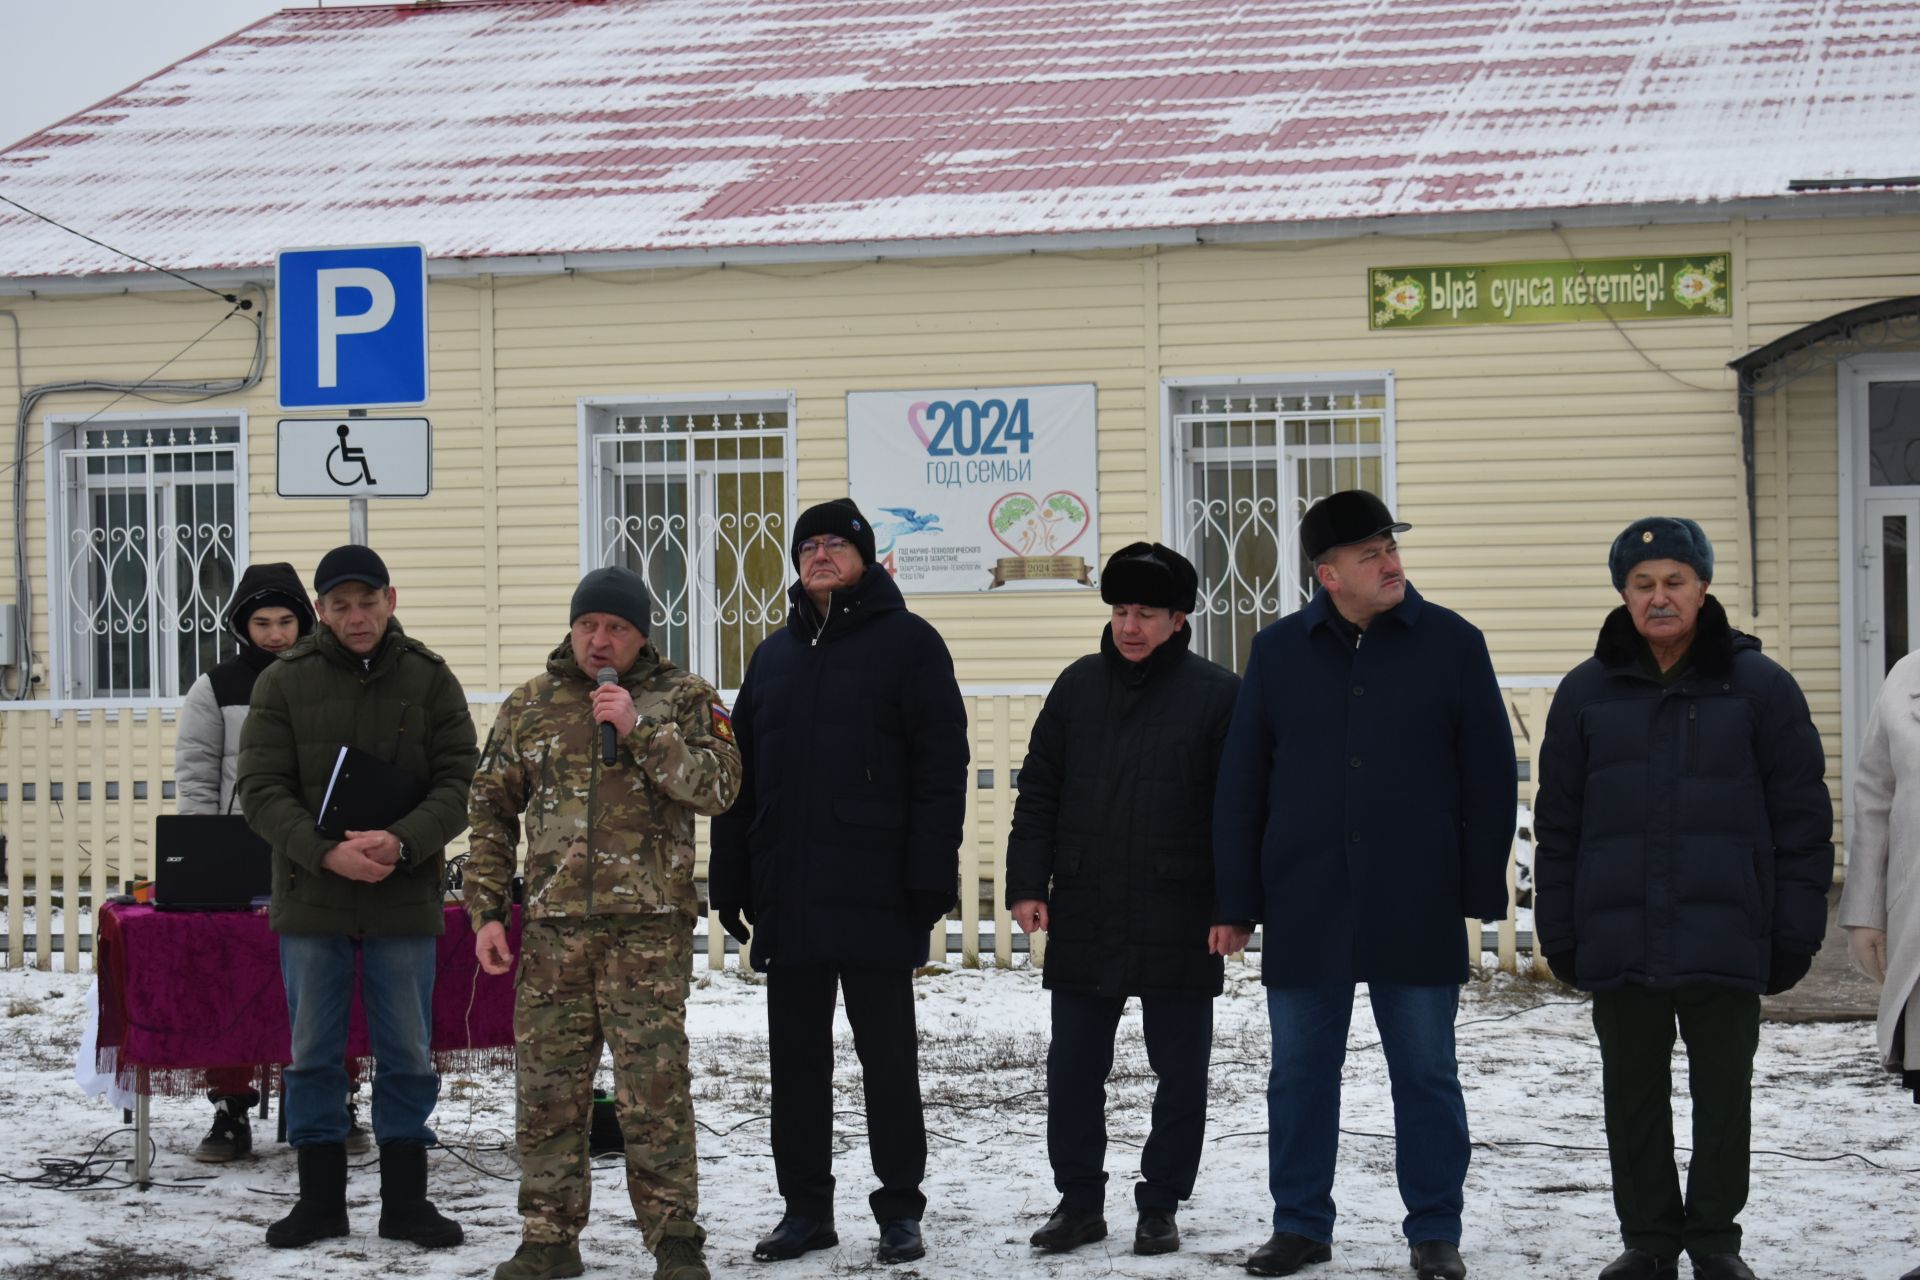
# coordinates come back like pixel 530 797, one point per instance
pixel 366 793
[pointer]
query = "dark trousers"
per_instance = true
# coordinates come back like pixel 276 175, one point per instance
pixel 1721 1029
pixel 1179 1034
pixel 800 1055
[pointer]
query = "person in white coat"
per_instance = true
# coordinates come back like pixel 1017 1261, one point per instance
pixel 1878 909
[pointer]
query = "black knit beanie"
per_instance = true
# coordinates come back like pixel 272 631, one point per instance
pixel 620 592
pixel 840 517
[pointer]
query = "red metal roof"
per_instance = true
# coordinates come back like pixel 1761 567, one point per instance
pixel 542 127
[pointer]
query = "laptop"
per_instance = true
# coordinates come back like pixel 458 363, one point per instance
pixel 209 862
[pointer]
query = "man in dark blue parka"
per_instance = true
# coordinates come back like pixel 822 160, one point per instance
pixel 1684 853
pixel 1365 806
pixel 842 851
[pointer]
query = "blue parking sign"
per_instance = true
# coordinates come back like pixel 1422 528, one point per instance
pixel 352 326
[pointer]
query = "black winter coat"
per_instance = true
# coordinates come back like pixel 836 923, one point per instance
pixel 851 810
pixel 1113 827
pixel 1367 796
pixel 1682 830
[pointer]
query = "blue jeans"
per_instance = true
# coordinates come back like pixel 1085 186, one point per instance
pixel 1303 1104
pixel 396 985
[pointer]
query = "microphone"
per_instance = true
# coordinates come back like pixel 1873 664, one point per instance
pixel 607 675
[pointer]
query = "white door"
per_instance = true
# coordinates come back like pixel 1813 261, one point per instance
pixel 1880 425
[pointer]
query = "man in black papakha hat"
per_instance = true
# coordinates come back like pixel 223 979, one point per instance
pixel 1365 805
pixel 1112 855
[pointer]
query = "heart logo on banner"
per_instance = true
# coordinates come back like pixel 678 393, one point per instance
pixel 1030 526
pixel 916 418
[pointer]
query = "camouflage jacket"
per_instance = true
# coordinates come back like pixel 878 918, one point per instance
pixel 601 839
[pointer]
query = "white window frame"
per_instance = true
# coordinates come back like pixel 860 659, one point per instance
pixel 596 415
pixel 60 436
pixel 1174 391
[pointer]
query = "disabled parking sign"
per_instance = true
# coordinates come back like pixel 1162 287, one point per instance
pixel 353 458
pixel 352 326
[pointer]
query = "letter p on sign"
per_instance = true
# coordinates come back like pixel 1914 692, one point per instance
pixel 332 325
pixel 352 327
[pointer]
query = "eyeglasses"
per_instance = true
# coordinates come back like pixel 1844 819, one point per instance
pixel 814 546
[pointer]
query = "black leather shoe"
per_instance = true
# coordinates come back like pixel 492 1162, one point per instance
pixel 794 1236
pixel 1638 1264
pixel 1437 1260
pixel 900 1241
pixel 1156 1232
pixel 1912 1275
pixel 1722 1266
pixel 1070 1227
pixel 1285 1253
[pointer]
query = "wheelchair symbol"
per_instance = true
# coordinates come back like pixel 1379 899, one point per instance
pixel 347 453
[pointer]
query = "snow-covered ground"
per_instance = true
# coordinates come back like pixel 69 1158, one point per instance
pixel 1534 1208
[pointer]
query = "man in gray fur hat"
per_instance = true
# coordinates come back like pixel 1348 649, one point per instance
pixel 1683 788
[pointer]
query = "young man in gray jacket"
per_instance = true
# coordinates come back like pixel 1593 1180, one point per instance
pixel 267 615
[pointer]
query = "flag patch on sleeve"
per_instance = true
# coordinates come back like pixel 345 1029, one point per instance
pixel 722 722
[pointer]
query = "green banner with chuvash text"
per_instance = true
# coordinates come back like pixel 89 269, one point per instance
pixel 1691 286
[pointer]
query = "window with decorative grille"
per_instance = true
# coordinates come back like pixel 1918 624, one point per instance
pixel 1248 460
pixel 149 537
pixel 696 498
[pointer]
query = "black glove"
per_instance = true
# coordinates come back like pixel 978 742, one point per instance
pixel 930 906
pixel 730 921
pixel 1787 969
pixel 1562 964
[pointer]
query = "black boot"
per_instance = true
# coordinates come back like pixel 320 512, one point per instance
pixel 1285 1253
pixel 794 1235
pixel 1071 1226
pixel 1638 1264
pixel 231 1136
pixel 1436 1260
pixel 1156 1232
pixel 321 1211
pixel 405 1211
pixel 901 1241
pixel 1722 1266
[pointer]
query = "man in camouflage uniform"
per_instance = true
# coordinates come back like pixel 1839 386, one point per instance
pixel 607 951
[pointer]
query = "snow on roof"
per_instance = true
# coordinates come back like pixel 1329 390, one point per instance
pixel 543 126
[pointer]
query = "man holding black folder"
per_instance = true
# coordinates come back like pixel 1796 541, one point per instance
pixel 609 753
pixel 358 880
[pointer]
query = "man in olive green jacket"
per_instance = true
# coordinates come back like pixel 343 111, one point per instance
pixel 610 776
pixel 374 897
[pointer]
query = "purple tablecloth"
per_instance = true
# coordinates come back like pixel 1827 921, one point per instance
pixel 184 991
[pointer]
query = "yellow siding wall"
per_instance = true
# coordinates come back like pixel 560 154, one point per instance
pixel 1521 450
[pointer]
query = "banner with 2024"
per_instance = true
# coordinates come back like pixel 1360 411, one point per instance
pixel 979 488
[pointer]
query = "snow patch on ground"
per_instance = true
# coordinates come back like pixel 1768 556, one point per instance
pixel 1528 1061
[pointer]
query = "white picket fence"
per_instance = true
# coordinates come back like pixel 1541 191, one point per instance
pixel 83 782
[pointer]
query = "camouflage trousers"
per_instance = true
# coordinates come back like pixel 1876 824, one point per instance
pixel 622 981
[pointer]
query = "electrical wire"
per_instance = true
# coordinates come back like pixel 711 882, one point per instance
pixel 54 222
pixel 1618 328
pixel 185 391
pixel 90 1172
